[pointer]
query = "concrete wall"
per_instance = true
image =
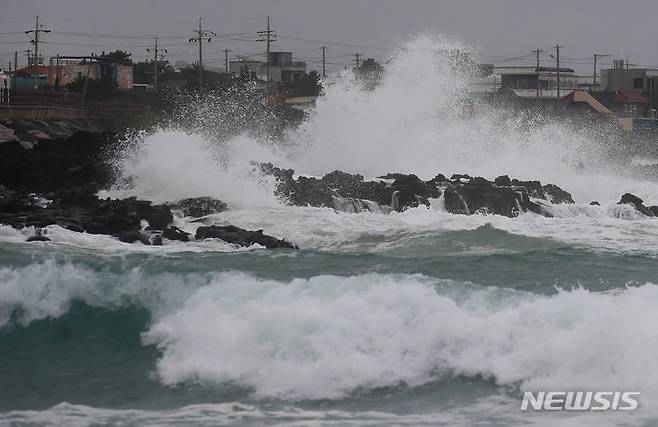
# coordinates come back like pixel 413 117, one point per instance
pixel 620 79
pixel 32 112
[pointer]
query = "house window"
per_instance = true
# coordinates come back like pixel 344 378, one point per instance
pixel 522 84
pixel 638 83
pixel 630 110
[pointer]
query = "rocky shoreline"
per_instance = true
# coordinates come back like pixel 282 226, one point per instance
pixel 56 182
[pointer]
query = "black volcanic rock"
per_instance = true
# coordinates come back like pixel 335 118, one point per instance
pixel 637 203
pixel 411 191
pixel 239 236
pixel 55 164
pixel 37 238
pixel 549 192
pixel 199 206
pixel 134 236
pixel 83 212
pixel 458 176
pixel 503 181
pixel 482 196
pixel 175 233
pixel 463 193
pixel 339 189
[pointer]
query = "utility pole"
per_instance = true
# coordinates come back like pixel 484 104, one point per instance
pixel 15 63
pixel 226 64
pixel 557 59
pixel 156 62
pixel 38 29
pixel 84 89
pixel 269 37
pixel 201 35
pixel 357 60
pixel 537 51
pixel 596 57
pixel 324 62
pixel 58 73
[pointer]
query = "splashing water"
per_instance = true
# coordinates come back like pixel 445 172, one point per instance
pixel 419 119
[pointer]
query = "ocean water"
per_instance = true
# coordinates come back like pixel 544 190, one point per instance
pixel 414 318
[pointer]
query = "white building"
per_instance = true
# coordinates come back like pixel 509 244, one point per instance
pixel 522 80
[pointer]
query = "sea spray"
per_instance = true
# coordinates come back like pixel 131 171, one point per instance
pixel 419 119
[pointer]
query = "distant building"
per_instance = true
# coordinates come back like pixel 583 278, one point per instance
pixel 625 103
pixel 65 70
pixel 282 67
pixel 523 81
pixel 622 78
pixel 246 66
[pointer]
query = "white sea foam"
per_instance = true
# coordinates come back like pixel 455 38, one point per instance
pixel 328 336
pixel 487 411
pixel 418 120
pixel 170 165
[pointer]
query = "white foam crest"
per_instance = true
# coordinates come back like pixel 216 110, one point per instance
pixel 615 228
pixel 64 239
pixel 487 411
pixel 328 336
pixel 47 289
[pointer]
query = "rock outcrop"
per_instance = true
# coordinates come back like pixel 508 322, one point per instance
pixel 51 178
pixel 199 206
pixel 638 204
pixel 238 236
pixel 462 193
pixel 129 220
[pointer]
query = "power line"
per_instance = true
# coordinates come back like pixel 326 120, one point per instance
pixel 201 36
pixel 155 52
pixel 38 30
pixel 269 37
pixel 325 42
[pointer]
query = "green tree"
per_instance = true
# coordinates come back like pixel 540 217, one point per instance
pixel 120 57
pixel 99 90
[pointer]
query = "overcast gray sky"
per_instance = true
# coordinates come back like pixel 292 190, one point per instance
pixel 499 29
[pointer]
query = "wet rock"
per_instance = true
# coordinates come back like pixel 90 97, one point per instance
pixel 38 236
pixel 556 195
pixel 438 179
pixel 199 206
pixel 637 203
pixel 503 181
pixel 594 203
pixel 76 160
pixel 458 177
pixel 482 196
pixel 463 193
pixel 156 240
pixel 410 191
pixel 549 192
pixel 134 236
pixel 239 236
pixel 175 233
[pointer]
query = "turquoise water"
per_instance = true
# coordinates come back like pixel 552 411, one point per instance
pixel 419 327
